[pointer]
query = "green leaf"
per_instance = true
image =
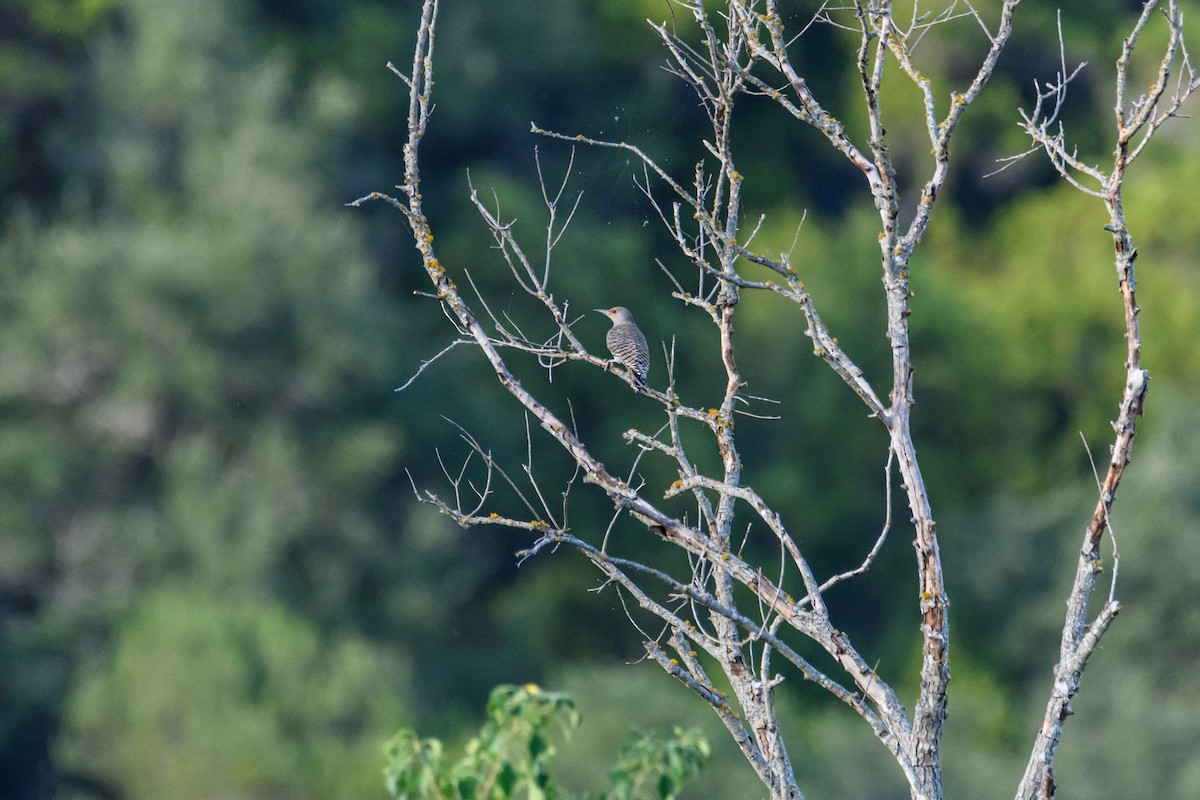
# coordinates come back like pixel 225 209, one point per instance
pixel 538 746
pixel 506 780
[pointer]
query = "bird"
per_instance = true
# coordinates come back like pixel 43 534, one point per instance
pixel 627 344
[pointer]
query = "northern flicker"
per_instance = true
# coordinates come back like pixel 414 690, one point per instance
pixel 627 344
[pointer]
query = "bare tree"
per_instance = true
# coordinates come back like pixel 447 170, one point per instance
pixel 725 613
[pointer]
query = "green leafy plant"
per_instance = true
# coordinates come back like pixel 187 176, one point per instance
pixel 509 758
pixel 651 760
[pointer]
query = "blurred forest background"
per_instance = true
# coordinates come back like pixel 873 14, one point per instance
pixel 214 579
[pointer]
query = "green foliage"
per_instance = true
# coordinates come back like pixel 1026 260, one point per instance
pixel 510 756
pixel 206 698
pixel 187 346
pixel 40 45
pixel 510 753
pixel 654 761
pixel 178 360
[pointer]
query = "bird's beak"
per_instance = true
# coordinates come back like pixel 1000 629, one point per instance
pixel 600 310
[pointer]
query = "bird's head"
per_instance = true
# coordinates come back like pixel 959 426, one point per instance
pixel 618 314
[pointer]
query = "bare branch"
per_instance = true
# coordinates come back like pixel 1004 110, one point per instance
pixel 429 362
pixel 1079 637
pixel 887 526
